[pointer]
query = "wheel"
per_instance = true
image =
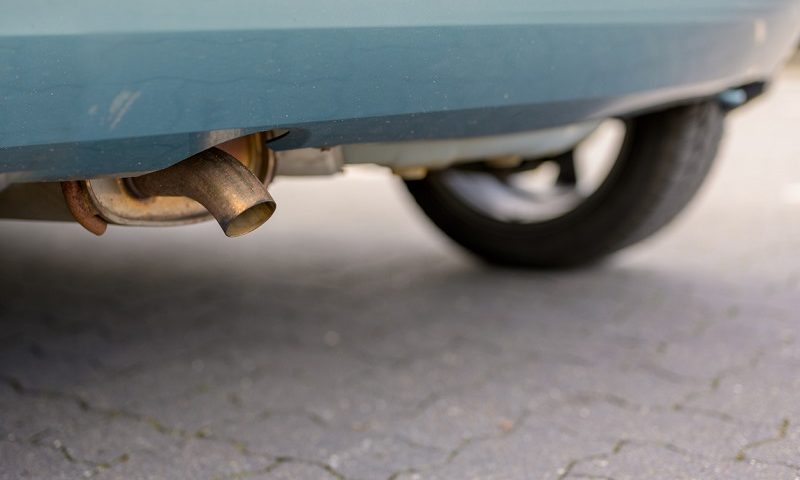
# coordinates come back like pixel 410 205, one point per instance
pixel 617 187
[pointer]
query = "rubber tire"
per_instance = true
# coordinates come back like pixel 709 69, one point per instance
pixel 665 158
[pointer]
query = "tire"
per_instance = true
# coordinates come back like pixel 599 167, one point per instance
pixel 665 158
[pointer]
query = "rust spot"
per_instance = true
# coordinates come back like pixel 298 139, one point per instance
pixel 80 206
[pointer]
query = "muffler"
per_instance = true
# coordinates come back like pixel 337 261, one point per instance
pixel 233 195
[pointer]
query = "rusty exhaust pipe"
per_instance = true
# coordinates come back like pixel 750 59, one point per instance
pixel 227 189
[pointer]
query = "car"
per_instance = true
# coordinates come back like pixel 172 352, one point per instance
pixel 537 133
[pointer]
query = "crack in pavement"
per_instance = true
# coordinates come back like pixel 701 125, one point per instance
pixel 780 435
pixel 740 456
pixel 432 398
pixel 625 404
pixel 84 405
pixel 147 420
pixel 716 381
pixel 94 467
pixel 702 412
pixel 568 471
pixel 666 374
pixel 505 430
pixel 279 462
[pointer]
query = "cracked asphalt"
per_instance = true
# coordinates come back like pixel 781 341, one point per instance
pixel 347 339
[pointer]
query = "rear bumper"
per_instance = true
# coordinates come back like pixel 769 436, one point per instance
pixel 91 99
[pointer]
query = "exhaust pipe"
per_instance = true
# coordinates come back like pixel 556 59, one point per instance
pixel 236 198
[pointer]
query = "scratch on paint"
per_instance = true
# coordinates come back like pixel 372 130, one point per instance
pixel 120 106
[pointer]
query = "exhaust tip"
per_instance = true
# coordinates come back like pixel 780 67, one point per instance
pixel 229 191
pixel 249 220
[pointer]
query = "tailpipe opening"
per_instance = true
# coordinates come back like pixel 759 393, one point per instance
pixel 230 192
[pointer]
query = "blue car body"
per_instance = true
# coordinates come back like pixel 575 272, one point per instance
pixel 95 88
